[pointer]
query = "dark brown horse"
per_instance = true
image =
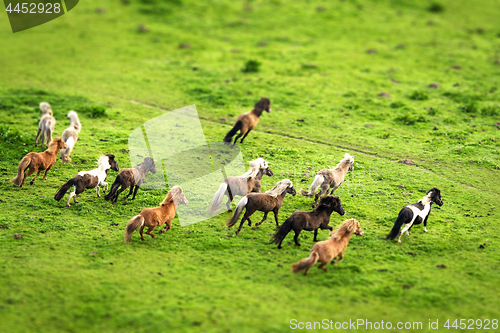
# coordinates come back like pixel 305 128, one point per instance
pixel 130 177
pixel 265 202
pixel 242 185
pixel 38 162
pixel 247 121
pixel 316 219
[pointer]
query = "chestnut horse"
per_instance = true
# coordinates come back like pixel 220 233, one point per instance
pixel 242 185
pixel 272 200
pixel 334 247
pixel 38 162
pixel 247 121
pixel 154 217
pixel 330 178
pixel 318 218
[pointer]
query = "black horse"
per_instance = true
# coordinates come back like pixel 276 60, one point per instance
pixel 316 219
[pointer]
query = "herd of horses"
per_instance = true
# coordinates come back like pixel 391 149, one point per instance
pixel 248 186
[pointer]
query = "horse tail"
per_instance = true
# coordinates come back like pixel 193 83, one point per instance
pixel 318 180
pixel 132 225
pixel 306 263
pixel 237 212
pixel 237 126
pixel 283 231
pixel 64 188
pixel 23 165
pixel 404 215
pixel 217 198
pixel 113 190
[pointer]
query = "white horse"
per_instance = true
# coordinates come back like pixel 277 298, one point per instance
pixel 330 178
pixel 70 135
pixel 89 179
pixel 46 125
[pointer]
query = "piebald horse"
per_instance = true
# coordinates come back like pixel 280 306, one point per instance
pixel 247 183
pixel 89 179
pixel 70 135
pixel 415 213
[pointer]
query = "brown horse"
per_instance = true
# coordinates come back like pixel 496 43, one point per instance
pixel 318 218
pixel 154 217
pixel 334 247
pixel 130 177
pixel 242 185
pixel 272 200
pixel 247 121
pixel 38 162
pixel 46 125
pixel 330 178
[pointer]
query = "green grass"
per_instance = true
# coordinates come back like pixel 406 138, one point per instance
pixel 323 66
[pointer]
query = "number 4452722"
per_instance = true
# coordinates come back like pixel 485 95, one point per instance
pixel 33 8
pixel 472 324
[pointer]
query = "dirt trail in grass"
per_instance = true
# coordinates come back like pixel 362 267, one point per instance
pixel 350 149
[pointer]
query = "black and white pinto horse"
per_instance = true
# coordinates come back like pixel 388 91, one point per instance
pixel 89 179
pixel 415 214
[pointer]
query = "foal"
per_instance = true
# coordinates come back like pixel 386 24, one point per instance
pixel 242 185
pixel 130 177
pixel 70 135
pixel 89 179
pixel 154 217
pixel 334 247
pixel 415 214
pixel 330 178
pixel 318 218
pixel 247 121
pixel 46 125
pixel 38 162
pixel 272 200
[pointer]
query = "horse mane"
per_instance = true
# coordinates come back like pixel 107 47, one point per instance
pixel 172 196
pixel 348 159
pixel 255 166
pixel 45 108
pixel 74 121
pixel 280 188
pixel 104 162
pixel 348 227
pixel 261 105
pixel 53 146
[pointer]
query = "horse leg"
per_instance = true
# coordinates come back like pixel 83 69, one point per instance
pixel 237 137
pixel 97 190
pixel 42 138
pixel 276 218
pixel 135 191
pixel 46 171
pixel 118 193
pixel 245 217
pixel 105 186
pixel 296 238
pixel 406 228
pixel 340 257
pixel 229 200
pixel 37 174
pixel 315 235
pixel 37 134
pixel 71 195
pixel 141 232
pixel 244 136
pixel 322 266
pixel 168 226
pixel 130 192
pixel 149 231
pixel 263 219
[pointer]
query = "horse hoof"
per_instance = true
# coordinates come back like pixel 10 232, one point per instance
pixel 230 210
pixel 31 182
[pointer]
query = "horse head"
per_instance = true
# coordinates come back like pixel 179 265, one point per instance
pixel 268 172
pixel 112 162
pixel 291 190
pixel 435 195
pixel 332 201
pixel 176 195
pixel 263 105
pixel 151 164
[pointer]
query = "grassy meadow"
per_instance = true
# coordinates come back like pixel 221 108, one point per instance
pixel 344 76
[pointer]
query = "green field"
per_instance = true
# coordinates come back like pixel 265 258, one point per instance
pixel 323 65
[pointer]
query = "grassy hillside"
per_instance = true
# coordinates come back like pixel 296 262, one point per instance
pixel 346 76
